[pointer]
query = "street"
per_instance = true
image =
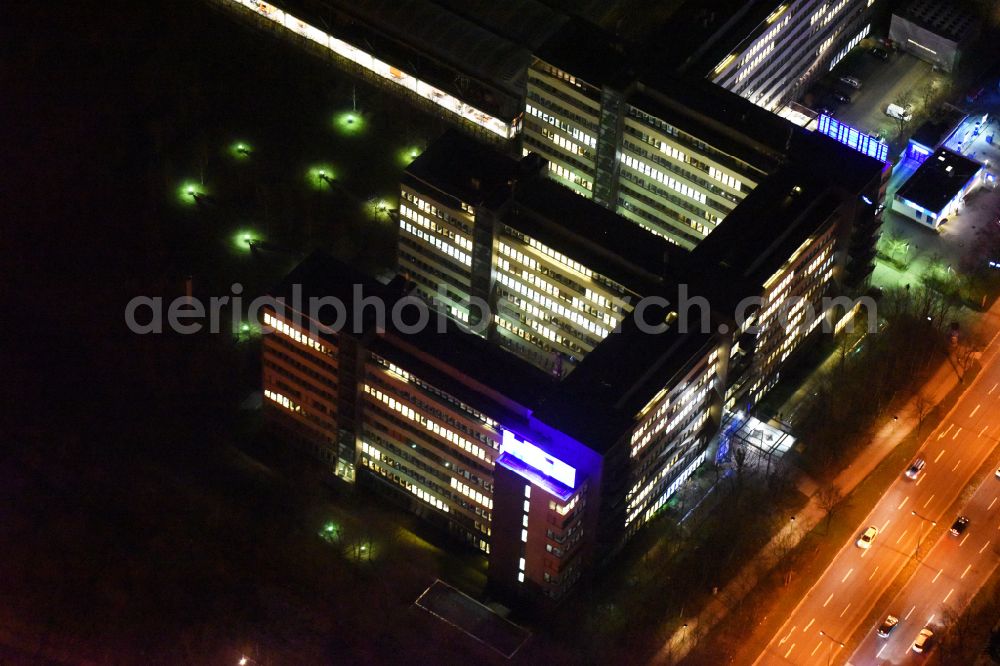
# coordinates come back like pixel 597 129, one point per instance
pixel 822 625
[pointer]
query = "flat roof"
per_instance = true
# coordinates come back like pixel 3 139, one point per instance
pixel 462 167
pixel 946 18
pixel 934 132
pixel 589 53
pixel 939 180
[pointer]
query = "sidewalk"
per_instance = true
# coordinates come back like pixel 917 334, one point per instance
pixel 889 436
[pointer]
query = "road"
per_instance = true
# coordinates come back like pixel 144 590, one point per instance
pixel 967 438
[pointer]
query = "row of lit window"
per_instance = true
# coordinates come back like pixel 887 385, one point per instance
pixel 577 134
pixel 572 177
pixel 426 223
pixel 436 428
pixel 286 330
pixel 518 256
pixel 850 45
pixel 557 308
pixel 415 490
pixel 832 12
pixel 524 532
pixel 472 493
pixel 281 400
pixel 560 258
pixel 651 511
pixel 752 65
pixel 447 248
pixel 725 178
pixel 768 39
pixel 658 175
pixel 563 142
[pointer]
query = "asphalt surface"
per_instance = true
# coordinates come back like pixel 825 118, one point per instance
pixel 821 626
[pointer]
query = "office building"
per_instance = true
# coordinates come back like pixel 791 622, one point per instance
pixel 934 30
pixel 937 189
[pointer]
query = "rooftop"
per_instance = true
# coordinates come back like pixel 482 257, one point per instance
pixel 933 132
pixel 939 180
pixel 589 53
pixel 465 168
pixel 947 18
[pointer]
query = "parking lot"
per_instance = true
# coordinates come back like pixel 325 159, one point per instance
pixel 883 82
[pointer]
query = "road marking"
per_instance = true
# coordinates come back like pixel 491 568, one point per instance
pixel 845 610
pixel 901 536
pixel 931 618
pixel 950 426
pixel 876 569
pixel 910 613
pixel 965 572
pixel 975 410
pixel 937 575
pixel 946 597
pixel 991 504
pixel 903 503
pixel 984 546
pixel 963 540
pixel 928 501
pixel 806 628
pixel 983 431
pixel 918 481
pixel 789 650
pixel 956 465
pixel 939 455
pixel 785 639
pixel 818 646
pixel 882 649
pixel 885 525
pixel 990 392
pixel 847 575
pixel 828 600
pixel 957 432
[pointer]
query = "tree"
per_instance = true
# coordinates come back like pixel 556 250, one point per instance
pixel 829 497
pixel 923 405
pixel 904 100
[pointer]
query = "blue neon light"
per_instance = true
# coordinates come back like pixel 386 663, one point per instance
pixel 856 139
pixel 538 459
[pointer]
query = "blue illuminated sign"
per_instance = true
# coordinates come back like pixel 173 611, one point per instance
pixel 538 459
pixel 856 139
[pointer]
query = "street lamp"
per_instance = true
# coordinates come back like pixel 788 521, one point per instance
pixel 920 532
pixel 829 659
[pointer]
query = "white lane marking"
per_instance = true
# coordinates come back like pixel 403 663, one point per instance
pixel 818 645
pixel 939 455
pixel 845 610
pixel 876 569
pixel 928 501
pixel 903 503
pixel 885 525
pixel 950 426
pixel 910 613
pixel 785 639
pixel 828 600
pixel 965 572
pixel 957 432
pixel 809 625
pixel 975 410
pixel 847 575
pixel 991 504
pixel 931 618
pixel 919 481
pixel 956 465
pixel 864 552
pixel 882 649
pixel 789 650
pixel 984 546
pixel 937 575
pixel 990 392
pixel 947 596
pixel 960 543
pixel 901 536
pixel 983 431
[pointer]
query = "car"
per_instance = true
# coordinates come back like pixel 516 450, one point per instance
pixel 866 538
pixel 898 112
pixel 842 98
pixel 888 624
pixel 880 53
pixel 923 641
pixel 959 525
pixel 825 111
pixel 851 81
pixel 998 473
pixel 915 468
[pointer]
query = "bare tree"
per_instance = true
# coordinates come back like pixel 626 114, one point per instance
pixel 923 405
pixel 829 497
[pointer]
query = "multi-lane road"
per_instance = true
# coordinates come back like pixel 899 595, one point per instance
pixel 949 571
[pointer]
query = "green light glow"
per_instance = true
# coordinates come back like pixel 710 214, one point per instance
pixel 408 154
pixel 240 150
pixel 243 240
pixel 247 330
pixel 378 208
pixel 189 191
pixel 321 176
pixel 349 122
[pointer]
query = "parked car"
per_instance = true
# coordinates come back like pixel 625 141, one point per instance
pixel 898 112
pixel 866 538
pixel 959 525
pixel 842 98
pixel 851 81
pixel 923 640
pixel 888 624
pixel 915 468
pixel 880 53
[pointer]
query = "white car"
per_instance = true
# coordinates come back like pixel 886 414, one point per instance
pixel 851 81
pixel 865 540
pixel 923 640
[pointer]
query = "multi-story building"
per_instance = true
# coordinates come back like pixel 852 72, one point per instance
pixel 768 51
pixel 673 156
